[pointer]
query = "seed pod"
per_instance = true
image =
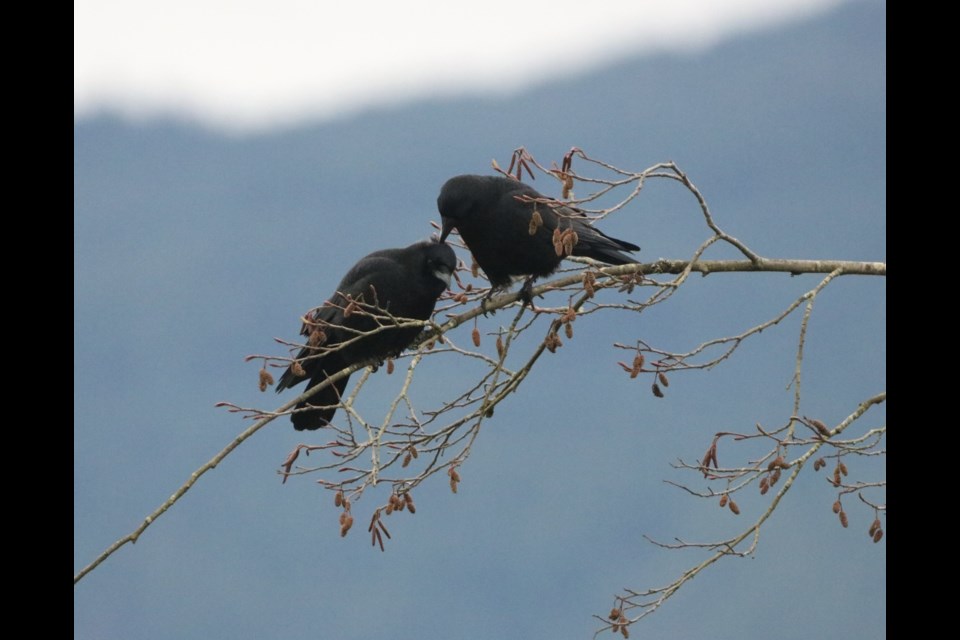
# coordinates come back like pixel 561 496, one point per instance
pixel 663 378
pixel 474 268
pixel 777 463
pixel 568 331
pixel 588 281
pixel 615 613
pixel 297 369
pixel 842 467
pixel 389 509
pixel 454 474
pixel 476 337
pixel 345 527
pixel 874 526
pixel 624 631
pixel 843 519
pixel 723 500
pixel 460 297
pixel 878 534
pixel 338 499
pixel 637 365
pixel 389 366
pixel 413 452
pixel 317 338
pixel 406 460
pixel 837 507
pixel 836 477
pixel 764 486
pixel 818 463
pixel 656 390
pixel 266 380
pixel 535 223
pixel 453 485
pixel 733 507
pixel 346 503
pixel 499 346
pixel 774 477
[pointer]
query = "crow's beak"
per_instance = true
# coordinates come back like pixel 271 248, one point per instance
pixel 448 226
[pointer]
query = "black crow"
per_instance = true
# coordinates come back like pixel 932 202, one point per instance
pixel 379 291
pixel 495 218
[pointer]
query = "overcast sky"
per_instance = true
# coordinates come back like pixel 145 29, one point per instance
pixel 246 65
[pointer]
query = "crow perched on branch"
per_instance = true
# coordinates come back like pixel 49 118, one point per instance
pixel 381 291
pixel 512 230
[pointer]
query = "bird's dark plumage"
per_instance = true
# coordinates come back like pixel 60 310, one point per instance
pixel 496 226
pixel 403 282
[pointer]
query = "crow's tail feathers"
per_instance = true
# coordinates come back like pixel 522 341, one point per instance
pixel 328 398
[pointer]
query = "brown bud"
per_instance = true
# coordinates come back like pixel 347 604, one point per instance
pixel 413 452
pixel 733 507
pixel 346 503
pixel 877 535
pixel 412 508
pixel 774 477
pixel 588 281
pixel 568 331
pixel 453 485
pixel 476 337
pixel 624 631
pixel 656 390
pixel 843 519
pixel 535 223
pixel 842 467
pixel 837 507
pixel 406 460
pixel 614 613
pixel 615 628
pixel 637 365
pixel 489 412
pixel 723 500
pixel 389 509
pixel 345 526
pixel 297 369
pixel 338 499
pixel 499 346
pixel 266 380
pixel 820 427
pixel 819 462
pixel 663 378
pixel 836 477
pixel 552 342
pixel 777 463
pixel 764 486
pixel 460 297
pixel 389 366
pixel 454 474
pixel 874 526
pixel 317 338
